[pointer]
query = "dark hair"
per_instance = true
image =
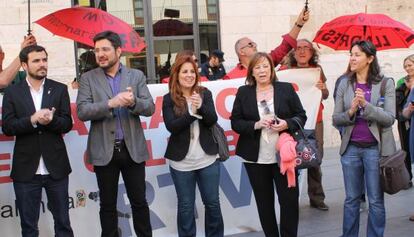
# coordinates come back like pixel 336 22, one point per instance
pixel 313 60
pixel 109 35
pixel 374 71
pixel 24 53
pixel 258 57
pixel 180 103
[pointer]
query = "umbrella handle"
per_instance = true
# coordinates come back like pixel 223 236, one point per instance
pixel 29 31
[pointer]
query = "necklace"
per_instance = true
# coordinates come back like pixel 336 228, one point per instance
pixel 265 92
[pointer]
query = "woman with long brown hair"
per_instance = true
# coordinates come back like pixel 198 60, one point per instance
pixel 189 112
pixel 366 115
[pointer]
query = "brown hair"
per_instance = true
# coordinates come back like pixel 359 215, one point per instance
pixel 182 53
pixel 257 58
pixel 177 96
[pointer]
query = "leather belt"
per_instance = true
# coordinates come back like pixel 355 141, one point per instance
pixel 118 144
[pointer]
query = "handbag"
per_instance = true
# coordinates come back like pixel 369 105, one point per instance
pixel 394 175
pixel 307 153
pixel 221 140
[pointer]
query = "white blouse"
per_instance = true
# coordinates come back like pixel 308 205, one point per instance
pixel 196 158
pixel 268 138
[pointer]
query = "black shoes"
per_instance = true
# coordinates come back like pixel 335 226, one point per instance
pixel 321 206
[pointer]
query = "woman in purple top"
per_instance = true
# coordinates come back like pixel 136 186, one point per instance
pixel 366 116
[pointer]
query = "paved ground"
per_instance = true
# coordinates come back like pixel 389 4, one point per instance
pixel 315 223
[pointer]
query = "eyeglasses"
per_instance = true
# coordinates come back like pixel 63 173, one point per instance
pixel 266 109
pixel 304 48
pixel 250 45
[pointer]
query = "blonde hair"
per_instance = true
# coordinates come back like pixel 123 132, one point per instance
pixel 409 57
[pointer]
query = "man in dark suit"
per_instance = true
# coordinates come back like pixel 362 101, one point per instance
pixel 37 111
pixel 113 97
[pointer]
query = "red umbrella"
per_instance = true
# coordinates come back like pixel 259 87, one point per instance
pixel 81 24
pixel 168 27
pixel 383 31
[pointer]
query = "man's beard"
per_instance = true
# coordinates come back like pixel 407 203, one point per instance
pixel 35 76
pixel 110 64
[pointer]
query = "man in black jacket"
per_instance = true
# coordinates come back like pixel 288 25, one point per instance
pixel 37 111
pixel 213 69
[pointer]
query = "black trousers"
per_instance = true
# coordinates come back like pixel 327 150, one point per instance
pixel 263 178
pixel 133 175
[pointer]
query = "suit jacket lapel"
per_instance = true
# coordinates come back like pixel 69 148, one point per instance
pixel 125 79
pixel 27 97
pixel 253 105
pixel 47 93
pixel 102 82
pixel 276 102
pixel 375 93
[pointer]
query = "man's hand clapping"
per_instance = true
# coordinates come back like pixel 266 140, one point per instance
pixel 43 116
pixel 123 99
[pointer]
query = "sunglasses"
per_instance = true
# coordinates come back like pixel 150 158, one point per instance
pixel 250 45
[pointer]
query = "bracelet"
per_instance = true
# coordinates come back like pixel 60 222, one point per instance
pixel 298 25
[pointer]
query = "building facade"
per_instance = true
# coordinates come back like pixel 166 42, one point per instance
pixel 202 26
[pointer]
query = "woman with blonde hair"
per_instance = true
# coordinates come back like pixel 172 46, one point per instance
pixel 409 107
pixel 401 93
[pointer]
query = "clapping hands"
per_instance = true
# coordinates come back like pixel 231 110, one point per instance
pixel 43 116
pixel 196 102
pixel 123 99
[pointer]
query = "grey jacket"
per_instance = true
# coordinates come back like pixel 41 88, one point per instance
pixel 92 104
pixel 375 115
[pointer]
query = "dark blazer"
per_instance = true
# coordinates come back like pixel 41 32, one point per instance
pixel 179 127
pixel 245 114
pixel 31 142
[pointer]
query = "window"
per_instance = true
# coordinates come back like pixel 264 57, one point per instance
pixel 139 12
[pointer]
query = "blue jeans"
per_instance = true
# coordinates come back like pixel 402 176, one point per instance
pixel 359 164
pixel 207 180
pixel 29 196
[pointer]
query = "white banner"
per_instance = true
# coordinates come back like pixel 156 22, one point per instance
pixel 236 196
pixel 304 81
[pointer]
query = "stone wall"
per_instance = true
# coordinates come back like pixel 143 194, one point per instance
pixel 13 26
pixel 264 21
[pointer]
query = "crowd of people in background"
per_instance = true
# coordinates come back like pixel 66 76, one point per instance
pixel 265 114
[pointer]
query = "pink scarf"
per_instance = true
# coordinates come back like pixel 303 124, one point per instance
pixel 286 146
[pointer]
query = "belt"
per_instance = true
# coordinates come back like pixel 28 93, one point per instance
pixel 118 144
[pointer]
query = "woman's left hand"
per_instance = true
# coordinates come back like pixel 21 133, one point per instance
pixel 360 94
pixel 196 100
pixel 280 125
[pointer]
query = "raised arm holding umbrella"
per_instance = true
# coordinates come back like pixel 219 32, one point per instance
pixel 9 73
